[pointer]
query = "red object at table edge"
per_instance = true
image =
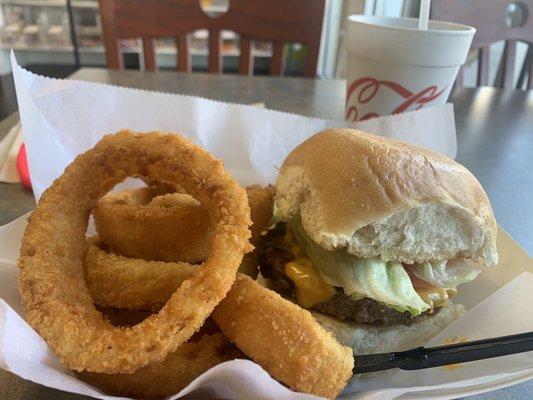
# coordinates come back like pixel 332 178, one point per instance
pixel 22 167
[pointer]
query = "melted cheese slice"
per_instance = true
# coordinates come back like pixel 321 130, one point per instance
pixel 310 289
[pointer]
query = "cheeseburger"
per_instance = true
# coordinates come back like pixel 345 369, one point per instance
pixel 375 237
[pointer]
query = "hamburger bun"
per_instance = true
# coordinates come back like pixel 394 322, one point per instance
pixel 382 197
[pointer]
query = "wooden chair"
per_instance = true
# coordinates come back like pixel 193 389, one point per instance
pixel 489 19
pixel 278 21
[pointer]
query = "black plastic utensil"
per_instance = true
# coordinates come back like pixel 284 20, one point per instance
pixel 422 357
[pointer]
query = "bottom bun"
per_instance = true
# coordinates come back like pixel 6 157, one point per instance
pixel 367 339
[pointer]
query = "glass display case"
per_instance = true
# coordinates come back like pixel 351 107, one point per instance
pixel 40 31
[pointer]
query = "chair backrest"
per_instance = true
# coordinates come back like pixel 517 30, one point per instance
pixel 491 20
pixel 277 21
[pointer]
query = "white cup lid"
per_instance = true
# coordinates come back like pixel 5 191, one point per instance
pixel 398 40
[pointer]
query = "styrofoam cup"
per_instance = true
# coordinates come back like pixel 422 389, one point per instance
pixel 394 67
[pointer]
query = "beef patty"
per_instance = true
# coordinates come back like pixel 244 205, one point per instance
pixel 273 254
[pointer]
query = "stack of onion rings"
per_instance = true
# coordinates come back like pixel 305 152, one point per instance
pixel 56 300
pixel 137 226
pixel 130 283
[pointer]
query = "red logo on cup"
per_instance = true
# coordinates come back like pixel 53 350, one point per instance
pixel 366 89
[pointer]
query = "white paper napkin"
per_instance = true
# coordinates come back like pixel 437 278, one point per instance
pixel 62 118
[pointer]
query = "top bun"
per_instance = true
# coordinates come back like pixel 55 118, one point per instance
pixel 382 197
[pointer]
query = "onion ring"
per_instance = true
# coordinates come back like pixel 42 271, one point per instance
pixel 132 284
pixel 153 224
pixel 55 298
pixel 129 283
pixel 261 200
pixel 172 374
pixel 169 376
pixel 207 348
pixel 284 339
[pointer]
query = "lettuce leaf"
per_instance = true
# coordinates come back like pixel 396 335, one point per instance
pixel 386 282
pixel 445 274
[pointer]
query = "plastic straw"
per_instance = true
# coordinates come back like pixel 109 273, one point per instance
pixel 424 14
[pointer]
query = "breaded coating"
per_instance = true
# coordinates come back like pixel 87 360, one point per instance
pixel 284 339
pixel 154 224
pixel 169 376
pixel 261 200
pixel 136 284
pixel 143 223
pixel 55 297
pixel 129 283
